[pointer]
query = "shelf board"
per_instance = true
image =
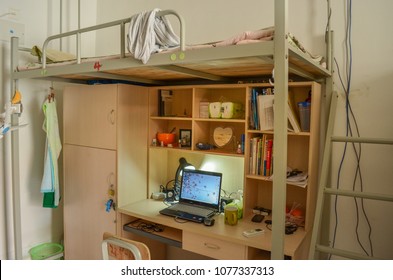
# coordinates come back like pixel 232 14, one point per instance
pixel 187 149
pixel 267 178
pixel 258 177
pixel 220 153
pixel 272 132
pixel 171 118
pixel 220 120
pixel 210 152
pixel 196 119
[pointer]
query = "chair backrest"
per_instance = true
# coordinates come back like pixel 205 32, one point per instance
pixel 117 248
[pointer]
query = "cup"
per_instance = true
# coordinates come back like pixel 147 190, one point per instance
pixel 231 213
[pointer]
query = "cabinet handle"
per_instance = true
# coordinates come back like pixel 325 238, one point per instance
pixel 112 116
pixel 211 246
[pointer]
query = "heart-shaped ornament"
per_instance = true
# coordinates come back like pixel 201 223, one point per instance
pixel 222 136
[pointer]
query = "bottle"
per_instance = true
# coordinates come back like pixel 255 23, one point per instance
pixel 240 203
pixel 239 149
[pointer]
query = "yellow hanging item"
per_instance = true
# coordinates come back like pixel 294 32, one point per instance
pixel 17 98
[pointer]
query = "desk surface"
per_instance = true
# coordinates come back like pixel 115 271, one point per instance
pixel 149 210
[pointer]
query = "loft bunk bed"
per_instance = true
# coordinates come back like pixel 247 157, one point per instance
pixel 216 64
pixel 226 61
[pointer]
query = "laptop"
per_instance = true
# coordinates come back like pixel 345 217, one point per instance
pixel 199 196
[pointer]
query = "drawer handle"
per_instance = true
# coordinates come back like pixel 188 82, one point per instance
pixel 211 246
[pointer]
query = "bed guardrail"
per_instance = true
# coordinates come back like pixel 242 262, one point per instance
pixel 122 23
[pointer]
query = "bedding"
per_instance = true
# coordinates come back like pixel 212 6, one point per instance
pixel 148 34
pixel 52 56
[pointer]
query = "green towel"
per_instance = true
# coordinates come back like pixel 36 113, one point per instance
pixel 50 183
pixel 49 200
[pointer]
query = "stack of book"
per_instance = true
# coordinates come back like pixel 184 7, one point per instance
pixel 261 155
pixel 261 104
pixel 262 111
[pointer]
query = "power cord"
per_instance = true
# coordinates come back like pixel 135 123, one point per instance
pixel 356 147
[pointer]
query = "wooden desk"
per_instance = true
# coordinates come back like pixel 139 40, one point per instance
pixel 219 241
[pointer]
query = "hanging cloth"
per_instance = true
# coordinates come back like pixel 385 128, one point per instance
pixel 148 34
pixel 50 182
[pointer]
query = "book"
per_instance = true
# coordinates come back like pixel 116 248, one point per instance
pixel 292 116
pixel 165 103
pixel 269 157
pixel 294 123
pixel 265 111
pixel 254 109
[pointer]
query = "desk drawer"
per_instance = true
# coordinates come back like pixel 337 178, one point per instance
pixel 213 247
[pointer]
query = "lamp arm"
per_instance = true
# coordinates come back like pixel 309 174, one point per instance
pixel 177 183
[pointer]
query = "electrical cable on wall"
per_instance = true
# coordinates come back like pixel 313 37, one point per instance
pixel 350 118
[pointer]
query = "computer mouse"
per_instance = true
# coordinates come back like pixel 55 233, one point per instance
pixel 208 222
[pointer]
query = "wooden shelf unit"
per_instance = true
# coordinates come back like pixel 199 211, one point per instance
pixel 186 115
pixel 303 154
pixel 303 147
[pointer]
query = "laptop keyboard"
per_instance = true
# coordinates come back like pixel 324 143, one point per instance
pixel 192 209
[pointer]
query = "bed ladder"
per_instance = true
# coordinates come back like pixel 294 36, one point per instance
pixel 324 190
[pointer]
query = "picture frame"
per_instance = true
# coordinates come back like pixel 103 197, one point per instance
pixel 185 137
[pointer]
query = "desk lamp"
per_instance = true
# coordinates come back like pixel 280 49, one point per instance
pixel 183 164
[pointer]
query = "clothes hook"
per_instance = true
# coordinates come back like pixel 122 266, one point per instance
pixel 271 80
pixel 51 95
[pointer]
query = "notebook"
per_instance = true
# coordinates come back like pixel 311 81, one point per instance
pixel 199 196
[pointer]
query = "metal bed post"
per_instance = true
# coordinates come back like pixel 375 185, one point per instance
pixel 327 99
pixel 61 23
pixel 15 207
pixel 280 127
pixel 329 46
pixel 122 40
pixel 78 36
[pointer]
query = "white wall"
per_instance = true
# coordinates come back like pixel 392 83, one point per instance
pixel 370 94
pixel 41 19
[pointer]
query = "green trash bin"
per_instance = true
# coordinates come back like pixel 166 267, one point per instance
pixel 47 251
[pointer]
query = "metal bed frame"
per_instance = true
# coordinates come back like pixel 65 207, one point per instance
pixel 193 66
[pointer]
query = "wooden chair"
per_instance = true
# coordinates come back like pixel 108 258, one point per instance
pixel 117 248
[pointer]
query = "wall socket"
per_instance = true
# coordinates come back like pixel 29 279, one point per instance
pixel 10 29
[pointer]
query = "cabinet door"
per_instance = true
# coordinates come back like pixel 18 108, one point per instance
pixel 90 116
pixel 88 176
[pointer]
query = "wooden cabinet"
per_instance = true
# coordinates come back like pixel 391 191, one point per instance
pixel 89 175
pixel 105 153
pixel 90 116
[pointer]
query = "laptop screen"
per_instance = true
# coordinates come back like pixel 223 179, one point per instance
pixel 201 188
